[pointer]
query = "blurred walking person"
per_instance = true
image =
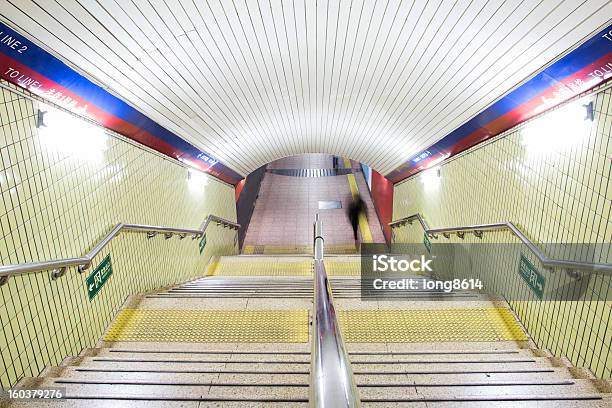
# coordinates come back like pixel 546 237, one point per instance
pixel 354 210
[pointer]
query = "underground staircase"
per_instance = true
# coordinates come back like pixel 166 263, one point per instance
pixel 240 337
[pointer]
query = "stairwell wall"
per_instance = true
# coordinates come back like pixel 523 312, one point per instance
pixel 63 187
pixel 551 176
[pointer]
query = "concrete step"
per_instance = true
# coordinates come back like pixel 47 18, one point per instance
pixel 449 346
pixel 222 391
pixel 501 402
pixel 204 391
pixel 293 295
pixel 204 347
pixel 305 357
pixel 456 373
pixel 444 347
pixel 357 357
pixel 433 391
pixel 117 403
pixel 213 355
pixel 368 383
pixel 203 366
pixel 303 377
pixel 403 364
pixel 124 403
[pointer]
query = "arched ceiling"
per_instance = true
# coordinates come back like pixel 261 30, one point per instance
pixel 251 81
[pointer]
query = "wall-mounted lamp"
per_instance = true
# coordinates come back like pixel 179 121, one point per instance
pixel 558 130
pixel 70 136
pixel 431 178
pixel 196 181
pixel 590 114
pixel 40 119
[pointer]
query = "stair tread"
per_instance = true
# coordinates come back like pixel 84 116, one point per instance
pixel 302 380
pixel 573 390
pixel 305 347
pixel 355 357
pixel 96 403
pixel 557 373
pixel 605 402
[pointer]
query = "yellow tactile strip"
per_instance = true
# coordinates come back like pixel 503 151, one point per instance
pixel 210 326
pixel 412 326
pixel 338 249
pixel 343 268
pixel 257 267
pixel 276 267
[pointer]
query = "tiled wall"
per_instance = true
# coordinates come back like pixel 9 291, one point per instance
pixel 552 177
pixel 63 187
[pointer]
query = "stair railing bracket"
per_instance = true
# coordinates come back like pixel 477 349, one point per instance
pixel 57 273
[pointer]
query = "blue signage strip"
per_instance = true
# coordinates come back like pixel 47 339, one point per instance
pixel 25 64
pixel 582 69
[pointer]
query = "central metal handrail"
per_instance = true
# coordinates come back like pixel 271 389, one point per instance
pixel 58 266
pixel 331 377
pixel 504 226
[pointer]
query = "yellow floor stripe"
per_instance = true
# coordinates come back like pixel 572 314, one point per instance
pixel 410 326
pixel 210 326
pixel 267 267
pixel 297 249
pixel 257 267
pixel 338 268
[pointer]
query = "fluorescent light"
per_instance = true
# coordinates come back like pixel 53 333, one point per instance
pixel 558 130
pixel 196 181
pixel 431 179
pixel 69 135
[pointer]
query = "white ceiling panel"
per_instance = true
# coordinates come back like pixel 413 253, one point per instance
pixel 251 81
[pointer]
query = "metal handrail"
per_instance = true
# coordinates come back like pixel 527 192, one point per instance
pixel 58 266
pixel 504 226
pixel 331 376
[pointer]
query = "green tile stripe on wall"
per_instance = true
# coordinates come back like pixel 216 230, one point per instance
pixel 561 195
pixel 56 203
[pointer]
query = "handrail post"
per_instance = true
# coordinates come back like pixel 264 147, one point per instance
pixel 331 377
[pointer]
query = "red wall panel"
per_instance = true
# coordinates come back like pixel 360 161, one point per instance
pixel 382 196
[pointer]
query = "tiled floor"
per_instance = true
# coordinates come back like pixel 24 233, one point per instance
pixel 286 207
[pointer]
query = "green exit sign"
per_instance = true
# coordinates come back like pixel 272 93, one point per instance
pixel 202 244
pixel 98 277
pixel 427 242
pixel 534 279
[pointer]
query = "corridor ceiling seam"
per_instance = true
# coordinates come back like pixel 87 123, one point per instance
pixel 28 66
pixel 584 68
